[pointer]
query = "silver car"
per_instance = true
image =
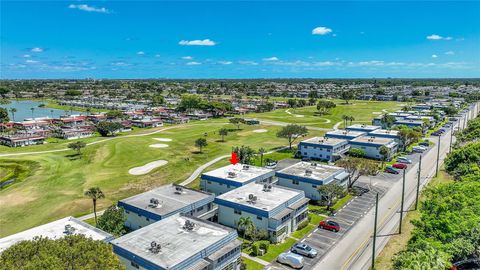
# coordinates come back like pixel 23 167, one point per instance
pixel 404 160
pixel 304 249
pixel 290 259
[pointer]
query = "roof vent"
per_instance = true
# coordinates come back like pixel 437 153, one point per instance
pixel 69 229
pixel 155 247
pixel 246 167
pixel 232 175
pixel 154 203
pixel 189 225
pixel 178 190
pixel 252 198
pixel 308 172
pixel 313 164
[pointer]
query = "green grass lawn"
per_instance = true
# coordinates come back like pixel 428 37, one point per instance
pixel 275 249
pixel 363 111
pixel 252 265
pixel 55 188
pixel 299 234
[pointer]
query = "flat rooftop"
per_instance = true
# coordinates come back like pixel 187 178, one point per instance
pixel 407 121
pixel 324 141
pixel 56 230
pixel 343 132
pixel 373 140
pixel 316 171
pixel 385 132
pixel 363 126
pixel 239 173
pixel 177 244
pixel 266 200
pixel 170 199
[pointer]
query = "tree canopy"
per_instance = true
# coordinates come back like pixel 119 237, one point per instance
pixel 69 252
pixel 292 132
pixel 112 221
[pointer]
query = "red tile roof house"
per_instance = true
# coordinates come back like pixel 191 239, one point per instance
pixel 147 122
pixel 20 140
pixel 32 125
pixel 73 133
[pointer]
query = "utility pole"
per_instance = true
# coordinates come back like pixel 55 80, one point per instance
pixel 451 137
pixel 438 155
pixel 418 181
pixel 401 207
pixel 375 231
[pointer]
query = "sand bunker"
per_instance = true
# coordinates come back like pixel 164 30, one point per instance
pixel 376 113
pixel 147 167
pixel 158 145
pixel 163 139
pixel 260 130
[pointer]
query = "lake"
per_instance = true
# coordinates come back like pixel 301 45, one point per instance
pixel 24 110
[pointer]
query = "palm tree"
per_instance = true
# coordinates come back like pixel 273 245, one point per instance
pixel 345 119
pixel 245 224
pixel 95 193
pixel 13 111
pixel 32 109
pixel 351 119
pixel 261 151
pixel 384 151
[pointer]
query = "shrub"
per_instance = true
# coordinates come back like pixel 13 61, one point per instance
pixel 259 245
pixel 303 224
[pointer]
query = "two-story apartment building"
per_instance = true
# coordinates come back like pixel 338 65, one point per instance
pixel 362 128
pixel 274 209
pixel 323 148
pixel 156 204
pixel 308 177
pixel 344 134
pixel 226 178
pixel 371 145
pixel 180 243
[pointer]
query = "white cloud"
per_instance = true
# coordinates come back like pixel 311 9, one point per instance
pixel 434 56
pixel 450 53
pixel 438 37
pixel 187 58
pixel 140 53
pixel 193 63
pixel 120 64
pixel 88 8
pixel 271 59
pixel 36 49
pixel 251 63
pixel 197 42
pixel 29 61
pixel 225 62
pixel 321 30
pixel 27 56
pixel 157 55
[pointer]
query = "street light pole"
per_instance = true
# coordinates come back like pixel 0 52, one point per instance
pixel 375 231
pixel 401 207
pixel 438 155
pixel 418 181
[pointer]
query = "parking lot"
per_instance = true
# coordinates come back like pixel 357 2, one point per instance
pixel 322 240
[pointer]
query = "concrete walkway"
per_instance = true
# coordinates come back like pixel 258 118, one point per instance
pixel 255 259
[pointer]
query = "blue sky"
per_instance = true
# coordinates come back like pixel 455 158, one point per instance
pixel 152 39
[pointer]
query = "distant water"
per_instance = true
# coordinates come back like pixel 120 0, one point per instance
pixel 24 110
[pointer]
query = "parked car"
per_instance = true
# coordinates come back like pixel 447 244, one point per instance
pixel 391 170
pixel 329 225
pixel 426 144
pixel 404 160
pixel 304 249
pixel 290 259
pixel 419 149
pixel 401 166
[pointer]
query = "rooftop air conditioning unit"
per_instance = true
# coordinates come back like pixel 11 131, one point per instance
pixel 154 203
pixel 155 247
pixel 178 190
pixel 188 225
pixel 246 167
pixel 232 175
pixel 69 229
pixel 308 172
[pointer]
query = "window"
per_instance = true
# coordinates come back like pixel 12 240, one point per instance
pixel 147 219
pixel 305 153
pixel 127 212
pixel 228 186
pixel 259 217
pixel 199 208
pixel 135 265
pixel 295 182
pixel 238 212
pixel 314 186
pixel 209 182
pixel 139 215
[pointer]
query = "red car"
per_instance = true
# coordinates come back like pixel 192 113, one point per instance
pixel 399 166
pixel 329 225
